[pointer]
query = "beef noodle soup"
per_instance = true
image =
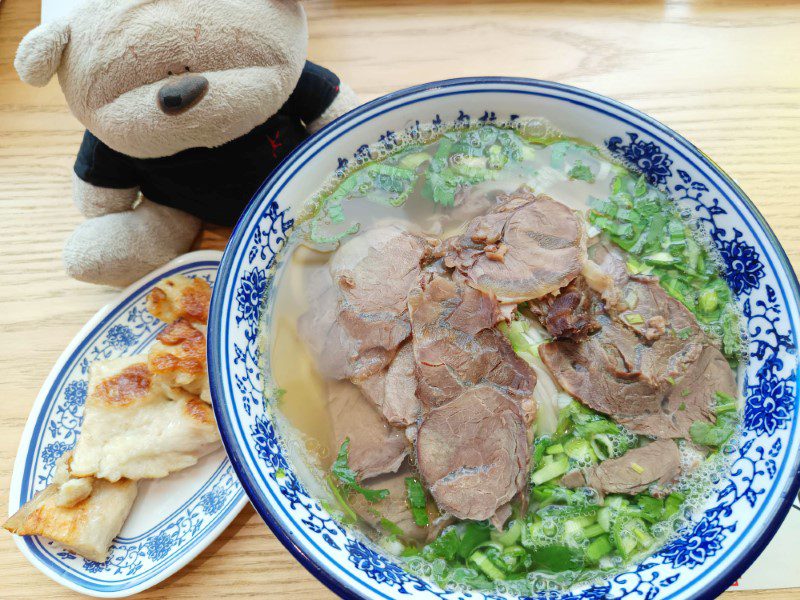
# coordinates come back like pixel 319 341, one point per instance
pixel 504 358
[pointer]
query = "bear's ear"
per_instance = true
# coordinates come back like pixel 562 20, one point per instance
pixel 39 53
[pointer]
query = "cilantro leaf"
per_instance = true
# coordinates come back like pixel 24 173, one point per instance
pixel 716 434
pixel 347 477
pixel 417 502
pixel 445 546
pixel 392 527
pixel 582 172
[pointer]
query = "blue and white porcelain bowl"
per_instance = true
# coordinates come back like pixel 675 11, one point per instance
pixel 744 510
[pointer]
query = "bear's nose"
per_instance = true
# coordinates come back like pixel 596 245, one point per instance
pixel 182 93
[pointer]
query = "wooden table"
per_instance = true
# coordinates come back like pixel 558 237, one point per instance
pixel 725 74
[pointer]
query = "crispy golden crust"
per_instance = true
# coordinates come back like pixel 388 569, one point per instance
pixel 200 411
pixel 178 358
pixel 183 350
pixel 130 385
pixel 164 430
pixel 85 525
pixel 180 297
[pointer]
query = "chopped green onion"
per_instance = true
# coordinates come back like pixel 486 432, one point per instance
pixel 539 449
pixel 595 427
pixel 513 557
pixel 555 449
pixel 510 536
pixel 556 468
pixel 617 184
pixel 482 562
pixel 676 230
pixel 660 259
pixel 599 548
pixel 593 530
pixel 603 446
pixel 634 318
pixel 645 539
pixel 414 160
pixel 604 516
pixel 580 450
pixel 708 301
pixel 641 187
pixel 630 533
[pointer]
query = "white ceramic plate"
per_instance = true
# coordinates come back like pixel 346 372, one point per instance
pixel 173 519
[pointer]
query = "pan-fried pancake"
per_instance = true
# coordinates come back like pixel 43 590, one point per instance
pixel 132 429
pixel 178 358
pixel 82 514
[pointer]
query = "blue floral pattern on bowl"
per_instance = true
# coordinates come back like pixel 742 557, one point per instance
pixel 746 506
pixel 141 560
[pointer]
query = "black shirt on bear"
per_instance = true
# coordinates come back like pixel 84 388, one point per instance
pixel 215 183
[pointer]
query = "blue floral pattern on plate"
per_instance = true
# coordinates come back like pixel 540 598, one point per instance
pixel 144 559
pixel 754 268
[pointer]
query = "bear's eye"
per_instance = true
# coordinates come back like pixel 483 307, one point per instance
pixel 170 73
pixel 187 68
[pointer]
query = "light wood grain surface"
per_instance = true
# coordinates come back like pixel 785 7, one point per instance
pixel 723 73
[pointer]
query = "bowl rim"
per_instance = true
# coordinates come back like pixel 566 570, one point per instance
pixel 265 507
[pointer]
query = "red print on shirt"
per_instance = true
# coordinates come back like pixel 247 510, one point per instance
pixel 274 144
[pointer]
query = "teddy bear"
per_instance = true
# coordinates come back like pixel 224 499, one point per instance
pixel 188 105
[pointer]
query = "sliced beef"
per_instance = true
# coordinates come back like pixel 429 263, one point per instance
pixel 656 390
pixel 639 302
pixel 394 390
pixel 456 345
pixel 611 261
pixel 395 507
pixel 650 367
pixel 499 518
pixel 526 247
pixel 359 322
pixel 375 447
pixel 690 399
pixel 472 453
pixel 334 350
pixel 589 372
pixel 568 313
pixel 659 463
pixel 374 273
pixel 648 310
